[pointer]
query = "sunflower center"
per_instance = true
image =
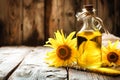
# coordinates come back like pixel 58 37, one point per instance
pixel 63 52
pixel 112 57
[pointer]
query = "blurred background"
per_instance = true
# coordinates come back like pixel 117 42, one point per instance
pixel 32 22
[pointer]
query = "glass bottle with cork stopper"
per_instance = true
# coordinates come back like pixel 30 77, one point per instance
pixel 89 37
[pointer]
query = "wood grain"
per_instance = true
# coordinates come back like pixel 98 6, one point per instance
pixel 10 57
pixel 13 23
pixel 33 67
pixel 23 22
pixel 62 16
pixel 33 22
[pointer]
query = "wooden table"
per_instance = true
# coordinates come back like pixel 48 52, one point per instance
pixel 27 63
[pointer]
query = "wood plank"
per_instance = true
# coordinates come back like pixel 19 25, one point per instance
pixel 4 32
pixel 116 18
pixel 48 4
pixel 10 57
pixel 13 22
pixel 33 67
pixel 79 75
pixel 62 16
pixel 2 9
pixel 106 13
pixel 33 22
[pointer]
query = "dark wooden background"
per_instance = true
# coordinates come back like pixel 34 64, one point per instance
pixel 32 22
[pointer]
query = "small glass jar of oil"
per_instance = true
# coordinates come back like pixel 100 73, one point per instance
pixel 89 38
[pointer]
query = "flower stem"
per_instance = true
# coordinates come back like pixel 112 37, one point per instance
pixel 67 70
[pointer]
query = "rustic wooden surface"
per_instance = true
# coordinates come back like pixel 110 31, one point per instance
pixel 10 58
pixel 33 67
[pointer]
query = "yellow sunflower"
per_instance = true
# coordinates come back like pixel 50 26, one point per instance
pixel 111 54
pixel 64 50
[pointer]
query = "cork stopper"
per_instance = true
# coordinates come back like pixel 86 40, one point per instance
pixel 88 7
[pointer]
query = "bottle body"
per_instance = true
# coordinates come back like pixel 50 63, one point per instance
pixel 89 48
pixel 88 35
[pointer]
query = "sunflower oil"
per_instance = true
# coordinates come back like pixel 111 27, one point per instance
pixel 89 47
pixel 94 36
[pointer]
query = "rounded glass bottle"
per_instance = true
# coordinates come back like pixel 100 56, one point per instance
pixel 89 37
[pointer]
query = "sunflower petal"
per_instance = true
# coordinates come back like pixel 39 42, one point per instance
pixel 109 45
pixel 73 42
pixel 62 34
pixel 53 42
pixel 70 36
pixel 59 37
pixel 115 44
pixel 104 49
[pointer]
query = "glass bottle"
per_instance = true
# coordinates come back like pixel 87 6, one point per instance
pixel 89 37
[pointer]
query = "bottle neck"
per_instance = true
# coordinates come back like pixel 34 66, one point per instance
pixel 90 21
pixel 88 24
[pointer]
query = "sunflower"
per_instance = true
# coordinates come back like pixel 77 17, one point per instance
pixel 64 50
pixel 111 54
